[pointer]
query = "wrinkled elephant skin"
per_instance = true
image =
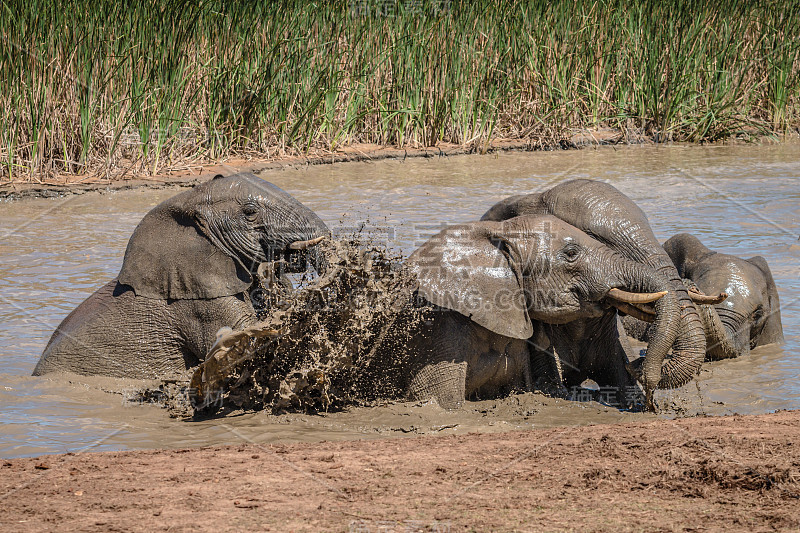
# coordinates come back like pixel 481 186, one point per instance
pixel 187 272
pixel 750 315
pixel 493 284
pixel 612 218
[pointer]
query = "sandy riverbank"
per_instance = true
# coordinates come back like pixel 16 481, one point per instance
pixel 188 175
pixel 737 473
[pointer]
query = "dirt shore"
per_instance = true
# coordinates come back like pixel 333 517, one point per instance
pixel 737 473
pixel 189 175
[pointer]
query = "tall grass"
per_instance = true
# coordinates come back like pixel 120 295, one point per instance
pixel 104 86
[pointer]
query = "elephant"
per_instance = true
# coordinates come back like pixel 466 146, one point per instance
pixel 187 272
pixel 750 316
pixel 606 214
pixel 492 285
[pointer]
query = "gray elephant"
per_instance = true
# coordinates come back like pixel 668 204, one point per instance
pixel 493 284
pixel 750 316
pixel 612 218
pixel 187 272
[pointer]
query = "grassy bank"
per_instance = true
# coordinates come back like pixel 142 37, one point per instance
pixel 103 86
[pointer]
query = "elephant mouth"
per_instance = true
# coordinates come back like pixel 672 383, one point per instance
pixel 298 255
pixel 592 309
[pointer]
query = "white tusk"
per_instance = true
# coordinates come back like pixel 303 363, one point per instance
pixel 635 297
pixel 302 245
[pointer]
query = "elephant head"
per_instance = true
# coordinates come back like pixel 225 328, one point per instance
pixel 503 275
pixel 750 316
pixel 612 218
pixel 207 242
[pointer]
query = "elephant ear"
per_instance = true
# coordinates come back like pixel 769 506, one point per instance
pixel 465 270
pixel 773 328
pixel 169 258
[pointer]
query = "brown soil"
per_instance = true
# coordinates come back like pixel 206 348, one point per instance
pixel 703 474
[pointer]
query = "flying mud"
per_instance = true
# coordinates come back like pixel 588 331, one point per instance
pixel 338 339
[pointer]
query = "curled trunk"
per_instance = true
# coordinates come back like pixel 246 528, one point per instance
pixel 613 218
pixel 719 339
pixel 689 348
pixel 641 279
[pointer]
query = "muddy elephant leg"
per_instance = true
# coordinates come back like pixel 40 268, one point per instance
pixel 198 322
pixel 460 359
pixel 547 371
pixel 604 355
pixel 444 380
pixel 440 349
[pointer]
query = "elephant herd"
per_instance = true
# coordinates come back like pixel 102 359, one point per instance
pixel 545 288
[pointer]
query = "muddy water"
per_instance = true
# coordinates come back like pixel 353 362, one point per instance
pixel 55 252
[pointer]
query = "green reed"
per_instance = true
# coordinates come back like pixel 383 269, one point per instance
pixel 106 87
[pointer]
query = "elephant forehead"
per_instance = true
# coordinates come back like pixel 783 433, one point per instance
pixel 732 275
pixel 246 185
pixel 227 196
pixel 736 283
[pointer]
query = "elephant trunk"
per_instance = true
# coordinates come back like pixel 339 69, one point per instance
pixel 689 349
pixel 719 339
pixel 316 254
pixel 316 257
pixel 614 219
pixel 664 331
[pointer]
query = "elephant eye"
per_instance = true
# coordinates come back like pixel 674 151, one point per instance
pixel 571 252
pixel 250 211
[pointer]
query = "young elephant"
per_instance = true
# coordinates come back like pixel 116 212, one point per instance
pixel 750 316
pixel 494 283
pixel 187 272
